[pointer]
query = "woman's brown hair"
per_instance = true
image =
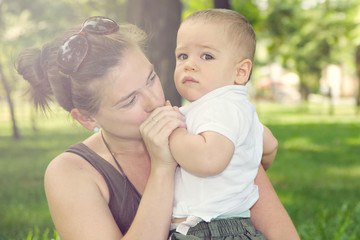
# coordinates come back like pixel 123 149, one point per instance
pixel 82 89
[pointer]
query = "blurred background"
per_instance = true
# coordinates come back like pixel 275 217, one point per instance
pixel 305 85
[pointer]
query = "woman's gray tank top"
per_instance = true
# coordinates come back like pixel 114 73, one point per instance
pixel 124 198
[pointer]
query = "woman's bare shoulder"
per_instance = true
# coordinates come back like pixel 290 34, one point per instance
pixel 78 199
pixel 66 164
pixel 70 171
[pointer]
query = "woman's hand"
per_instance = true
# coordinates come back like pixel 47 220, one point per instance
pixel 156 130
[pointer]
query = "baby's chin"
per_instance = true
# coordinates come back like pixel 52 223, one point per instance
pixel 192 97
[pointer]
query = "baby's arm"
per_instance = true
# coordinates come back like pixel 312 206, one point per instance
pixel 270 145
pixel 204 154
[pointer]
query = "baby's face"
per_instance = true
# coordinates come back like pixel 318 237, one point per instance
pixel 205 59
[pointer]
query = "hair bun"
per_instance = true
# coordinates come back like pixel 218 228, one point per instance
pixel 30 66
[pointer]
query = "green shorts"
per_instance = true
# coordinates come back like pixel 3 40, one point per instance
pixel 222 229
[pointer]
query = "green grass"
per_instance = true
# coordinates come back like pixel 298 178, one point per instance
pixel 316 172
pixel 317 169
pixel 23 208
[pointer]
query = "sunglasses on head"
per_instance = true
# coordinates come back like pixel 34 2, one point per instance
pixel 74 50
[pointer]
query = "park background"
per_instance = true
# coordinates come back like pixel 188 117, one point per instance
pixel 305 86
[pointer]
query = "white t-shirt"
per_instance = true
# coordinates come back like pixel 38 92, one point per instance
pixel 227 111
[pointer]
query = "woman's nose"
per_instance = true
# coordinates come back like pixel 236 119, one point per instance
pixel 152 100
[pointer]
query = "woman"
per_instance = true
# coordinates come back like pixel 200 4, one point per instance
pixel 118 183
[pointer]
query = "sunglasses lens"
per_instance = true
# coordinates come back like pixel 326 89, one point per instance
pixel 100 25
pixel 72 53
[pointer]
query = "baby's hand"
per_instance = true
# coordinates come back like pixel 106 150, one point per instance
pixel 155 131
pixel 176 108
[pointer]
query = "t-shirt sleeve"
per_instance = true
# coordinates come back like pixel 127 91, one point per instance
pixel 225 118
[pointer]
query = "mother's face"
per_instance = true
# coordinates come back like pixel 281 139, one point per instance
pixel 132 91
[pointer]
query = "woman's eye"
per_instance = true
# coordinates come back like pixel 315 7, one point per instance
pixel 153 77
pixel 182 56
pixel 132 100
pixel 206 57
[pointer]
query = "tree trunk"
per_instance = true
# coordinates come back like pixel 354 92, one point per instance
pixel 222 4
pixel 357 55
pixel 358 76
pixel 16 134
pixel 160 19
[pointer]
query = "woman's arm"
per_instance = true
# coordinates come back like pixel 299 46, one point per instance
pixel 80 210
pixel 268 214
pixel 153 218
pixel 79 204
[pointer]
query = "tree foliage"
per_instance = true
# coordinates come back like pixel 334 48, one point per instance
pixel 303 35
pixel 308 38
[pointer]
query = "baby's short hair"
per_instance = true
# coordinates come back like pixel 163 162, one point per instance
pixel 240 31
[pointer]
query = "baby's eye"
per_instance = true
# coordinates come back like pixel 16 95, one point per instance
pixel 182 56
pixel 206 57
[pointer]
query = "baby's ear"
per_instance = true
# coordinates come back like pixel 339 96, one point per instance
pixel 243 70
pixel 85 120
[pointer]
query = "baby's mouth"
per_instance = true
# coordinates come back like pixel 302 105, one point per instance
pixel 189 79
